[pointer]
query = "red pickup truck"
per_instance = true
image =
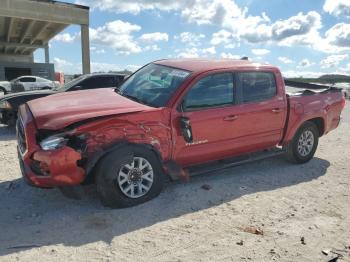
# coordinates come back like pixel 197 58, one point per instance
pixel 172 117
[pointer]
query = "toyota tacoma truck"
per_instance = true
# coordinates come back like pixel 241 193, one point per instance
pixel 173 118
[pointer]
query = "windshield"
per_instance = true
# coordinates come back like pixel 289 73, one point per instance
pixel 153 85
pixel 70 84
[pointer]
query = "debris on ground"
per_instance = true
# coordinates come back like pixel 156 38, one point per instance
pixel 240 243
pixel 206 187
pixel 326 251
pixel 333 254
pixel 253 230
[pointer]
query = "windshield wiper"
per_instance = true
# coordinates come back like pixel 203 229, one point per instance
pixel 136 99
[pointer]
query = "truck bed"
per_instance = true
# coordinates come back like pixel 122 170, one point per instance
pixel 312 101
pixel 294 88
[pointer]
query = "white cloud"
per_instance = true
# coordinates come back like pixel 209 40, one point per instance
pixel 117 35
pixel 104 67
pixel 132 68
pixel 136 6
pixel 337 7
pixel 189 53
pixel 333 61
pixel 229 56
pixel 218 12
pixel 307 74
pixel 155 37
pixel 190 38
pixel 209 50
pixel 305 63
pixel 339 35
pixel 260 52
pixel 152 48
pixel 285 60
pixel 96 50
pixel 297 25
pixel 62 65
pixel 65 37
pixel 236 24
pixel 222 37
pixel 194 52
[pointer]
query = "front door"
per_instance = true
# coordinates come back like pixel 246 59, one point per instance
pixel 207 106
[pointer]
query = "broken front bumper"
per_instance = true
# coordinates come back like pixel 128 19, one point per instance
pixel 46 168
pixel 52 168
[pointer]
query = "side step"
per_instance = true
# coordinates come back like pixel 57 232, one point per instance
pixel 232 162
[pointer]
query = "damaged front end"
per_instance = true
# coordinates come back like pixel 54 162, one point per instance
pixel 46 159
pixel 67 157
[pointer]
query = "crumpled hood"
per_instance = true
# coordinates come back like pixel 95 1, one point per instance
pixel 60 110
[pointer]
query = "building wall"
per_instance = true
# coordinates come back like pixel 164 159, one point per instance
pixel 17 58
pixel 37 69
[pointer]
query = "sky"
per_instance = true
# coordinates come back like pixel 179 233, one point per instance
pixel 305 38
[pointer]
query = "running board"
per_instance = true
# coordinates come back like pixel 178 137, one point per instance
pixel 232 162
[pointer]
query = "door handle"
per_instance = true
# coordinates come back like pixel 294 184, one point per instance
pixel 230 118
pixel 277 110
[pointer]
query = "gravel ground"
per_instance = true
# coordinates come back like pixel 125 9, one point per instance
pixel 263 211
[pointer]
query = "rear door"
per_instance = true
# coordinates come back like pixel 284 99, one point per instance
pixel 262 109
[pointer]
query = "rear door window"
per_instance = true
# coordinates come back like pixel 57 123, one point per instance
pixel 256 86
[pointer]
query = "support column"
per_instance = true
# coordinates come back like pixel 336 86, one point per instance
pixel 85 46
pixel 47 54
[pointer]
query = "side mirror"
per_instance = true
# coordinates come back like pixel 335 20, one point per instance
pixel 186 129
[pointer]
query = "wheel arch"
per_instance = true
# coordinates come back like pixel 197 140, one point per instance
pixel 318 121
pixel 320 124
pixel 96 157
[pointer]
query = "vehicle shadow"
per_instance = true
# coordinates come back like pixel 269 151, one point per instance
pixel 31 217
pixel 7 133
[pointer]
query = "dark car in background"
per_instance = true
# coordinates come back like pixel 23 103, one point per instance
pixel 9 103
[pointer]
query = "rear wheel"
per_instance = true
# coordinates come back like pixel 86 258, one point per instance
pixel 125 180
pixel 304 144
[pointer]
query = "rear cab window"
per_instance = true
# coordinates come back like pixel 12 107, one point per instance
pixel 256 86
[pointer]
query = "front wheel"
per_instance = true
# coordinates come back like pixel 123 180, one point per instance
pixel 127 178
pixel 304 144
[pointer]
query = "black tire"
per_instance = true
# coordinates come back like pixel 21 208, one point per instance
pixel 292 152
pixel 107 172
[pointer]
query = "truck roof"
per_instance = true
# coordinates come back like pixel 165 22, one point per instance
pixel 200 64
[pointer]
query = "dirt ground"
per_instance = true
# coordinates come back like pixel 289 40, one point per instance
pixel 296 212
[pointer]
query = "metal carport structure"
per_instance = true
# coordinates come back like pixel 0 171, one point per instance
pixel 26 25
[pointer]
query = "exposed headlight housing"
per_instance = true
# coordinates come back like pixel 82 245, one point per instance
pixel 53 142
pixel 5 105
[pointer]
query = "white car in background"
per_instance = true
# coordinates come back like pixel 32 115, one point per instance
pixel 26 83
